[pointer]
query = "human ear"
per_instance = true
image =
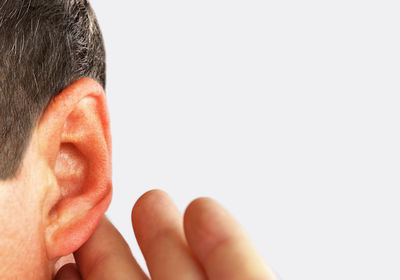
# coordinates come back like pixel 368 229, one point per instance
pixel 75 145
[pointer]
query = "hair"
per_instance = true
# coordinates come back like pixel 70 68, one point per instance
pixel 45 45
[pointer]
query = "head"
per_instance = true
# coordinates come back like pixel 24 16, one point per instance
pixel 55 144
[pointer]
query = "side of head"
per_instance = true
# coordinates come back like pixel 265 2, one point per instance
pixel 55 142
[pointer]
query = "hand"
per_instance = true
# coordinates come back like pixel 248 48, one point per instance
pixel 206 244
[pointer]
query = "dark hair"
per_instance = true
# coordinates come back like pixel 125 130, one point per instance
pixel 45 45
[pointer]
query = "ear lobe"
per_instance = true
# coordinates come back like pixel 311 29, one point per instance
pixel 76 144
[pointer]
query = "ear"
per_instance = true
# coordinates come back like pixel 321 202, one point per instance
pixel 75 144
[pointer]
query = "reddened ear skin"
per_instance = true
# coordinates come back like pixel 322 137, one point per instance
pixel 75 144
pixel 53 119
pixel 68 239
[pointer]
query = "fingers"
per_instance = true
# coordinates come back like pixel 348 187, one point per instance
pixel 158 227
pixel 68 272
pixel 212 245
pixel 221 244
pixel 106 255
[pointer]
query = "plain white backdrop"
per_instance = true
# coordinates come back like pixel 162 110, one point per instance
pixel 287 112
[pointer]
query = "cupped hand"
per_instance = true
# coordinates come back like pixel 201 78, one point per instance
pixel 207 243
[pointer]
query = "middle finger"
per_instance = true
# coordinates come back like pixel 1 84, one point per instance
pixel 158 227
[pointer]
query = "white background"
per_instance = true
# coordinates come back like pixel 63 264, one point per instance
pixel 287 112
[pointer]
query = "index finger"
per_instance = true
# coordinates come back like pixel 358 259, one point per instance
pixel 106 255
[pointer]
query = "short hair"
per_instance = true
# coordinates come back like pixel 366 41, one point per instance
pixel 45 45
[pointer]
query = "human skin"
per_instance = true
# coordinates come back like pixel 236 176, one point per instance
pixel 205 243
pixel 63 187
pixel 55 206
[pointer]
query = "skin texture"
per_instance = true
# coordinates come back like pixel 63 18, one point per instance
pixel 207 243
pixel 55 207
pixel 63 187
